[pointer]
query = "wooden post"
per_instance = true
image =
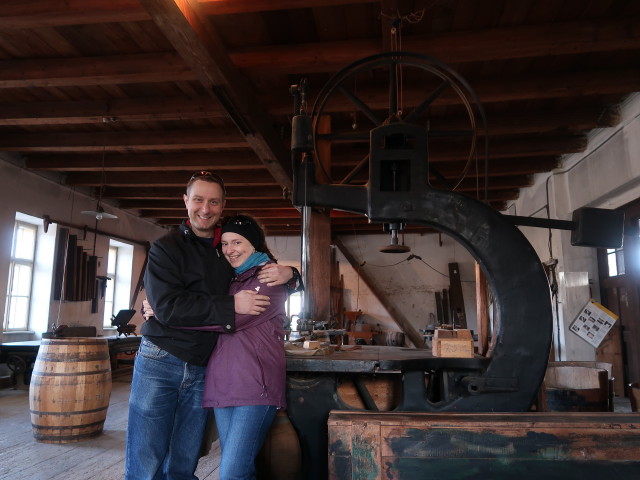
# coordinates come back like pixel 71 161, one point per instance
pixel 482 311
pixel 458 314
pixel 316 238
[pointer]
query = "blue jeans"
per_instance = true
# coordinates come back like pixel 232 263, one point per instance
pixel 242 431
pixel 166 418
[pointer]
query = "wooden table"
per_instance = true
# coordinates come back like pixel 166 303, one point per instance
pixel 20 356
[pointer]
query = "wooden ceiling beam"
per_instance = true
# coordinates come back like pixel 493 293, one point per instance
pixel 506 43
pixel 173 193
pixel 164 179
pixel 512 147
pixel 501 167
pixel 343 226
pixel 262 214
pixel 240 178
pixel 489 90
pixel 494 90
pixel 146 207
pixel 199 45
pixel 64 72
pixel 500 123
pixel 177 108
pixel 113 141
pixel 227 7
pixel 48 13
pixel 110 111
pixel 500 147
pixel 215 161
pixel 222 161
pixel 148 67
pixel 471 185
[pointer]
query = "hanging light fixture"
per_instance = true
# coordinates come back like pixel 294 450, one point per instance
pixel 99 213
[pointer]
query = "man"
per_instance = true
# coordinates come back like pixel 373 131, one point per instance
pixel 186 281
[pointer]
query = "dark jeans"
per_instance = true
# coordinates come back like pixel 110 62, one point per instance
pixel 166 418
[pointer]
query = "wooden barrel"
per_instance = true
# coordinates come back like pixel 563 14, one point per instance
pixel 634 396
pixel 280 457
pixel 395 339
pixel 70 389
pixel 592 364
pixel 576 388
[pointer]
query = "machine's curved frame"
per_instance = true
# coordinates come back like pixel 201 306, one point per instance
pixel 523 326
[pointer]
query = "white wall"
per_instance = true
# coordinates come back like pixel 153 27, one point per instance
pixel 32 194
pixel 606 175
pixel 409 285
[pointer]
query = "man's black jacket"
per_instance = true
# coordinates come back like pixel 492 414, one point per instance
pixel 186 282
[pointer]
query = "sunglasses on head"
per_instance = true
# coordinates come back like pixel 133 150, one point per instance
pixel 204 174
pixel 240 221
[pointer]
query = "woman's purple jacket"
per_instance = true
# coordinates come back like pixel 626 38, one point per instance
pixel 248 365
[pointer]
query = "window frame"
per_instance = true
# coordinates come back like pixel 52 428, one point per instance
pixel 14 261
pixel 112 273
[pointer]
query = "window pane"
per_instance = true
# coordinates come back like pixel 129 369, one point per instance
pixel 18 313
pixel 21 284
pixel 615 261
pixel 25 241
pixel 620 261
pixel 611 262
pixel 111 262
pixel 295 303
pixel 111 285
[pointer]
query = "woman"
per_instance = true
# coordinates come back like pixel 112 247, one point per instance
pixel 245 379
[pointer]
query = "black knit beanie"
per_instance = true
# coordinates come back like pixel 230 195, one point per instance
pixel 243 225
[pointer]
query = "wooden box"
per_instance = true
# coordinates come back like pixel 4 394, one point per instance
pixel 496 446
pixel 452 343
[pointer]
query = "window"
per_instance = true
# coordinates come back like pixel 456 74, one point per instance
pixel 112 268
pixel 294 304
pixel 615 261
pixel 119 269
pixel 19 289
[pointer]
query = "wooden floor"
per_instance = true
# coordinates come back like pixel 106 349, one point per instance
pixel 101 458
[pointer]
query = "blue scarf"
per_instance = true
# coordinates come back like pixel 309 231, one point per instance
pixel 255 259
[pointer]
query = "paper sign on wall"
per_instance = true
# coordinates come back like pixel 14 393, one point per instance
pixel 593 322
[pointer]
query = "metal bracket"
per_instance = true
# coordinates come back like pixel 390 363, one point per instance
pixel 479 385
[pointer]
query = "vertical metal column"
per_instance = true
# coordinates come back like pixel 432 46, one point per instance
pixel 307 301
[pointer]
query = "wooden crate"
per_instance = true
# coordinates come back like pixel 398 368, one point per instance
pixel 452 343
pixel 496 446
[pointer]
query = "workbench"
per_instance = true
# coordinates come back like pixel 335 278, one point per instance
pixel 21 356
pixel 313 381
pixel 496 446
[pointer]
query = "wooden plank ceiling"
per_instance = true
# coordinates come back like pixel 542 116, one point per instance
pixel 136 95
